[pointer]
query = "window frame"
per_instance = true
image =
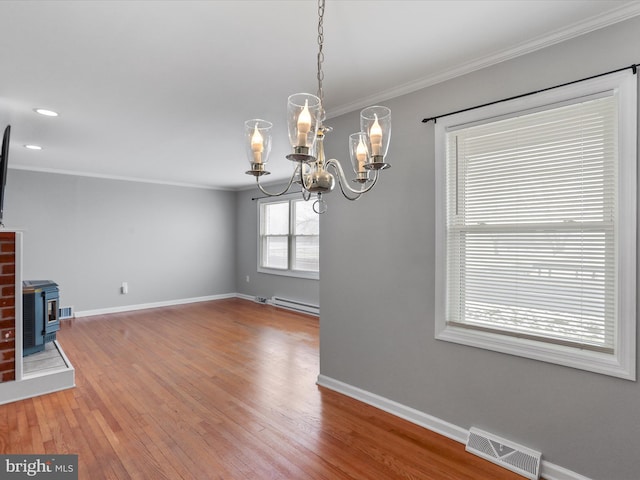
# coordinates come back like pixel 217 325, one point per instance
pixel 622 363
pixel 291 239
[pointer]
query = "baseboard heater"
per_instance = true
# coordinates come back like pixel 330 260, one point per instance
pixel 505 453
pixel 295 305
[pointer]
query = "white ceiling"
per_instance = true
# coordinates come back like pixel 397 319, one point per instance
pixel 159 90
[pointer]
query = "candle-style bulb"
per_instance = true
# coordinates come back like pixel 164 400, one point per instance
pixel 361 155
pixel 304 124
pixel 375 135
pixel 257 146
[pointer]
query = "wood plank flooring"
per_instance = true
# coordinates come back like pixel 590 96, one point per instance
pixel 219 390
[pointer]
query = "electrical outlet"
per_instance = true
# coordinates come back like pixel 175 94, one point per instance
pixel 124 289
pixel 247 278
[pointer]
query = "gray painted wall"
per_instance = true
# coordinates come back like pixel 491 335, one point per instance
pixel 377 289
pixel 89 235
pixel 264 284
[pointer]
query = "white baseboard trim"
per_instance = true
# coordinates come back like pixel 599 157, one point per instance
pixel 411 414
pixel 551 471
pixel 548 470
pixel 245 297
pixel 143 306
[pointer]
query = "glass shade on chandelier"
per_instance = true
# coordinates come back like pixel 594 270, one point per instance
pixel 257 139
pixel 376 123
pixel 303 118
pixel 359 152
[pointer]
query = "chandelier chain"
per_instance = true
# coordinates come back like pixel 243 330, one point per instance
pixel 320 55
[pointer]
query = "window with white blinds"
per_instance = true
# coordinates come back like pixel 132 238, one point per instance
pixel 532 226
pixel 289 234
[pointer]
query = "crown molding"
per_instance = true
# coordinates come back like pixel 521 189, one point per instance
pixel 116 177
pixel 625 12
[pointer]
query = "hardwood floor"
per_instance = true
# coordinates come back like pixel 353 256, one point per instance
pixel 219 390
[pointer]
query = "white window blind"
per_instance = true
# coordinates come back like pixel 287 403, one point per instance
pixel 531 214
pixel 306 237
pixel 274 235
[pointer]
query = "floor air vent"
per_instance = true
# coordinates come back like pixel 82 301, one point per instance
pixel 509 455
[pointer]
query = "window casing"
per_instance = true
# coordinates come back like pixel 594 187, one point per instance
pixel 535 226
pixel 288 240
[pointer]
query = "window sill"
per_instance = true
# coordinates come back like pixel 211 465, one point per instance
pixel 290 273
pixel 619 365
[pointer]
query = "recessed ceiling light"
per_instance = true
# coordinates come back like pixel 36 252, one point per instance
pixel 45 112
pixel 33 147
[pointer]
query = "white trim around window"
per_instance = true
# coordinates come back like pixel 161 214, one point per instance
pixel 484 217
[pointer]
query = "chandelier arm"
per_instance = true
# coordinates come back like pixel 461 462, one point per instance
pixel 306 194
pixel 303 182
pixel 269 194
pixel 342 180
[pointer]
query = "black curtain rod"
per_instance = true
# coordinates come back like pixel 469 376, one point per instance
pixel 267 196
pixel 633 67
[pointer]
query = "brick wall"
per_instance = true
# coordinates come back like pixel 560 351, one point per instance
pixel 7 306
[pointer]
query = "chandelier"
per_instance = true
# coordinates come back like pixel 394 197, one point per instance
pixel 315 174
